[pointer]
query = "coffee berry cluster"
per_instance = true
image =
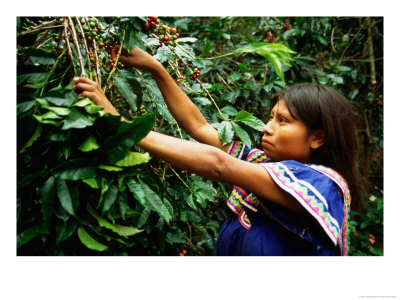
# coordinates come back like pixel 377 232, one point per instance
pixel 165 34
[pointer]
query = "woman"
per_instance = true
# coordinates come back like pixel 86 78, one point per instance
pixel 283 203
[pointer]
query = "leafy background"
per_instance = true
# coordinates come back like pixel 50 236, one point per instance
pixel 84 188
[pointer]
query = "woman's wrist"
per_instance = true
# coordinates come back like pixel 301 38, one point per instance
pixel 156 69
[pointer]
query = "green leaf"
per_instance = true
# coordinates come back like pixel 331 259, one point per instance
pixel 34 137
pixel 133 159
pixel 202 101
pixel 236 76
pixel 129 88
pixel 49 120
pixel 187 40
pixel 148 198
pixel 203 191
pixel 109 198
pixel 93 109
pixel 176 237
pixel 229 110
pixel 123 204
pixel 83 102
pixel 277 54
pixel 61 111
pixel 190 201
pixel 89 144
pixel 124 231
pixel 64 230
pixel 40 56
pixel 130 38
pixel 75 169
pixel 42 102
pixel 92 182
pixel 254 123
pixel 30 233
pixel 164 112
pixel 32 77
pixel 206 49
pixel 322 40
pixel 155 202
pixel 343 68
pixel 133 38
pixel 109 168
pixel 137 191
pixel 90 242
pixel 61 97
pixel 46 201
pixel 25 106
pixel 226 132
pixel 46 116
pixel 68 202
pixel 242 134
pixel 168 205
pixel 143 217
pixel 116 147
pixel 353 93
pixel 164 54
pixel 76 120
pixel 243 115
pixel 77 173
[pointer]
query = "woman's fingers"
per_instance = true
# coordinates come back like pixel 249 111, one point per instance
pixel 90 95
pixel 85 87
pixel 84 80
pixel 83 83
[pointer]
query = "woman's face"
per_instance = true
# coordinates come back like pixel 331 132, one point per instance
pixel 286 138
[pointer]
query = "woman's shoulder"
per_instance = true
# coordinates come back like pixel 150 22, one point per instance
pixel 309 172
pixel 320 190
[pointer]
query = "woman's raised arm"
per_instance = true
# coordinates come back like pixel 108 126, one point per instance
pixel 181 107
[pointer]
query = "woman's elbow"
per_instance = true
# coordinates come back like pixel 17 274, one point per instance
pixel 218 166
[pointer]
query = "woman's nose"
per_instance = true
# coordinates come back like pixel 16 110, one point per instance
pixel 268 128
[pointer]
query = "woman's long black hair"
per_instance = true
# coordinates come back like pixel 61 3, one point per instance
pixel 323 107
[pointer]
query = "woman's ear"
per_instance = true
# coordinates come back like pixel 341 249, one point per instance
pixel 317 139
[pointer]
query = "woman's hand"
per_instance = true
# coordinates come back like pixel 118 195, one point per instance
pixel 88 88
pixel 139 59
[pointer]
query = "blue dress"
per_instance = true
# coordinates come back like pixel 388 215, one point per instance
pixel 260 227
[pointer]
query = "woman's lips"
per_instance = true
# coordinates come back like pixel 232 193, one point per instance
pixel 265 143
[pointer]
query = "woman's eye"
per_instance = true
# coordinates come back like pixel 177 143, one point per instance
pixel 282 120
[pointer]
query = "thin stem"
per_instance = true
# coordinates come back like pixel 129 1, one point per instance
pixel 202 85
pixel 44 43
pixel 348 45
pixel 116 61
pixel 215 57
pixel 71 23
pixel 68 45
pixel 39 29
pixel 371 52
pixel 223 80
pixel 41 38
pixel 97 69
pixel 211 98
pixel 184 50
pixel 145 85
pixel 332 44
pixel 59 40
pixel 185 184
pixel 85 44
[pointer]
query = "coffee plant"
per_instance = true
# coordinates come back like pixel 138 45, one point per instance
pixel 83 185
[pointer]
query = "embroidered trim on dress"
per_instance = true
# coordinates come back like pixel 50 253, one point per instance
pixel 344 240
